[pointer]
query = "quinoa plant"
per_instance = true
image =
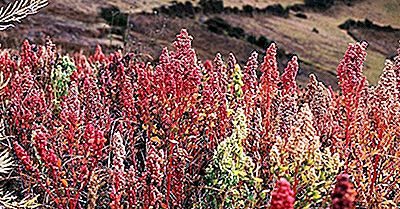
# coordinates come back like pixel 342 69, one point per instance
pixel 109 131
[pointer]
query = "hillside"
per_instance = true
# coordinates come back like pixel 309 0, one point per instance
pixel 311 33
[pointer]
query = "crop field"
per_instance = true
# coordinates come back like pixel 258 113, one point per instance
pixel 125 129
pixel 113 132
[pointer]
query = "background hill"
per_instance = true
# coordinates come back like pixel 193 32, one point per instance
pixel 317 31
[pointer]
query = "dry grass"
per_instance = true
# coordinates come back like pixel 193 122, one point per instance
pixel 325 48
pixel 382 12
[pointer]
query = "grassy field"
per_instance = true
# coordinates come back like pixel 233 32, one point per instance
pixel 324 49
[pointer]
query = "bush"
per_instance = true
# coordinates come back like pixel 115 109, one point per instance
pixel 263 42
pixel 212 6
pixel 278 10
pixel 114 16
pixel 220 26
pixel 319 4
pixel 248 9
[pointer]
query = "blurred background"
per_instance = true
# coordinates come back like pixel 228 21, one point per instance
pixel 318 31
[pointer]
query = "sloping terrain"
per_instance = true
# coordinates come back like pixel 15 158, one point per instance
pixel 311 33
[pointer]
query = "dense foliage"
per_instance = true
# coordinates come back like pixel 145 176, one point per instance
pixel 114 132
